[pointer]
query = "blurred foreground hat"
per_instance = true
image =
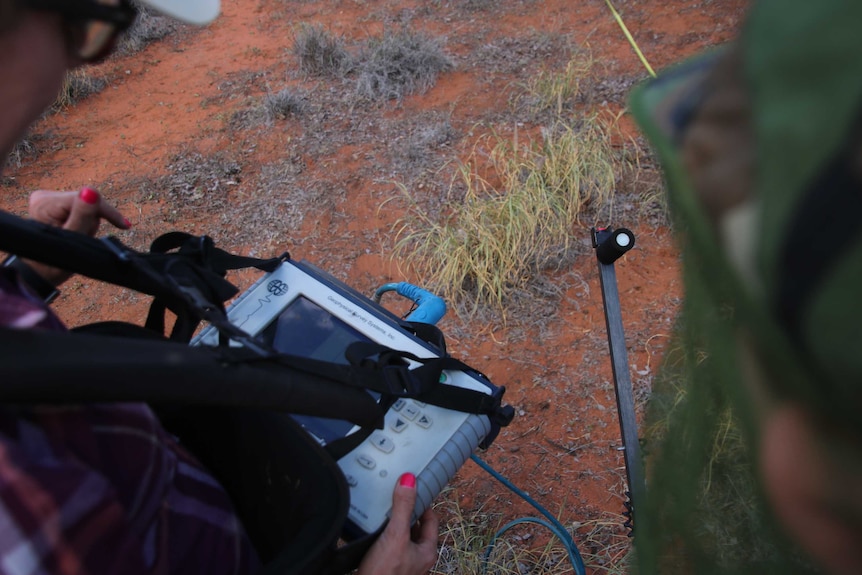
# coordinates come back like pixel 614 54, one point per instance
pixel 761 144
pixel 192 11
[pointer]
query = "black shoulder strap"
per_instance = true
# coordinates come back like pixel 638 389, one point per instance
pixel 193 277
pixel 190 282
pixel 423 382
pixel 85 367
pixel 202 252
pixel 113 362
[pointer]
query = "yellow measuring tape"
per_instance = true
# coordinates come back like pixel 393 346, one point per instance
pixel 629 36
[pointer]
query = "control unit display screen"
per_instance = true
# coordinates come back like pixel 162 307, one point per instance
pixel 307 330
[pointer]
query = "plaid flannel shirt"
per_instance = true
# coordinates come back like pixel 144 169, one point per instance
pixel 103 488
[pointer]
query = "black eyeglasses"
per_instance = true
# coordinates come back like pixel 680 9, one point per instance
pixel 93 25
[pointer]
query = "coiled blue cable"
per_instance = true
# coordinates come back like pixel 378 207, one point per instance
pixel 552 524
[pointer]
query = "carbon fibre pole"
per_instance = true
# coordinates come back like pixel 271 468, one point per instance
pixel 610 244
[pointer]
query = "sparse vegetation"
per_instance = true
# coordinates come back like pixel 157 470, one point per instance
pixel 427 137
pixel 149 27
pixel 81 83
pixel 284 103
pixel 465 537
pixel 521 202
pixel 606 546
pixel 196 179
pixel 388 67
pixel 399 64
pixel 320 52
pixel 29 148
pixel 517 221
pixel 554 92
pixel 24 150
pixel 652 196
pixel 279 204
pixel 477 5
pixel 272 107
pixel 78 85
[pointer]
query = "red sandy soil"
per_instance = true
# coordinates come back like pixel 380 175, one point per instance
pixel 180 94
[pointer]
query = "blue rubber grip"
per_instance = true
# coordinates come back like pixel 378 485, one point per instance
pixel 430 308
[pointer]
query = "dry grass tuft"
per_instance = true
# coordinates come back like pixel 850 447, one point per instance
pixel 606 547
pixel 25 150
pixel 501 235
pixel 320 53
pixel 78 85
pixel 464 538
pixel 149 27
pixel 30 147
pixel 272 107
pixel 196 180
pixel 399 64
pixel 284 103
pixel 522 201
pixel 388 67
pixel 557 93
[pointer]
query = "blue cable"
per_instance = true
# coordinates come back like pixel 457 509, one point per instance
pixel 552 524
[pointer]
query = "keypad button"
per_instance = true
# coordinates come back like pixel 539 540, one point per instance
pixel 399 403
pixel 424 421
pixel 398 425
pixel 410 412
pixel 366 462
pixel 382 442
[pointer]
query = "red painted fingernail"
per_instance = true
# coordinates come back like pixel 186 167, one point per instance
pixel 407 480
pixel 89 195
pixel 127 222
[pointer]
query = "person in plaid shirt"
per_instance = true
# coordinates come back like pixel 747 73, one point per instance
pixel 103 488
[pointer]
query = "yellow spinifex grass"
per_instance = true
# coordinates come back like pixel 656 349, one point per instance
pixel 555 91
pixel 497 238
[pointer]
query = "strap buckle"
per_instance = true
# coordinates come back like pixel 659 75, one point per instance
pixel 400 381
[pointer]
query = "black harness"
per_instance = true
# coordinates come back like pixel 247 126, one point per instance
pixel 225 403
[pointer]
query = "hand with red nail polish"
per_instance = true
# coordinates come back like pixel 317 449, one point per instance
pixel 402 549
pixel 80 211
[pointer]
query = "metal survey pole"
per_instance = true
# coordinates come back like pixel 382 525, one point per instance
pixel 610 244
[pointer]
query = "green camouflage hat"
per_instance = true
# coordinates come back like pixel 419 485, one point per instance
pixel 760 146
